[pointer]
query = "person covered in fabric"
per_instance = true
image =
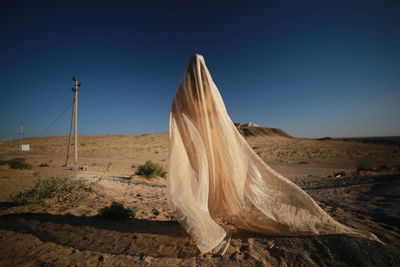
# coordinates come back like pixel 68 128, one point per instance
pixel 217 183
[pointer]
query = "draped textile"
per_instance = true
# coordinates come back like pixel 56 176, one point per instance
pixel 217 183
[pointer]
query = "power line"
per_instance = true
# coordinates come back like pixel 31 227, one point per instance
pixel 11 132
pixel 4 137
pixel 58 117
pixel 57 99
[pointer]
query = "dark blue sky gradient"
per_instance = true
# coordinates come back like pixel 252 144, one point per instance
pixel 320 68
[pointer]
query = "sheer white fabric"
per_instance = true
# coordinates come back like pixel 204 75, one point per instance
pixel 217 183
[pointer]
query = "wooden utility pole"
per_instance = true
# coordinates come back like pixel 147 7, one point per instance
pixel 74 124
pixel 76 118
pixel 21 133
pixel 70 135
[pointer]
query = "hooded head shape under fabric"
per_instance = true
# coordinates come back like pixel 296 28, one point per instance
pixel 217 183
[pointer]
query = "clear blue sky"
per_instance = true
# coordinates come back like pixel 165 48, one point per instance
pixel 311 68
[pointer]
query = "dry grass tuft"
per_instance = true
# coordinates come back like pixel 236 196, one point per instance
pixel 61 188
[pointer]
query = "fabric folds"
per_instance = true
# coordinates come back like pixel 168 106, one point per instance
pixel 217 183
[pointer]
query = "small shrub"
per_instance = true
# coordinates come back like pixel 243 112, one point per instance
pixel 19 163
pixel 385 167
pixel 44 165
pixel 3 162
pixel 366 164
pixel 150 170
pixel 116 211
pixel 52 187
pixel 302 162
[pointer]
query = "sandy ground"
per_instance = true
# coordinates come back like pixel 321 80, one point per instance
pixel 69 232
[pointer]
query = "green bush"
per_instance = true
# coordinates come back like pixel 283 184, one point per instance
pixel 116 211
pixel 44 165
pixel 150 170
pixel 19 163
pixel 52 187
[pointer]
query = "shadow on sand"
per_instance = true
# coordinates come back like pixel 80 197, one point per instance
pixel 134 237
pixel 6 205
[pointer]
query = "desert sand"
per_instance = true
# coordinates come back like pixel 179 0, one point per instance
pixel 356 183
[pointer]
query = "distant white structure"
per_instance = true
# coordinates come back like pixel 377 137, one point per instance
pixel 25 147
pixel 250 124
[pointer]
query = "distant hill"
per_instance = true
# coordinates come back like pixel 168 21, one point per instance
pixel 381 140
pixel 252 129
